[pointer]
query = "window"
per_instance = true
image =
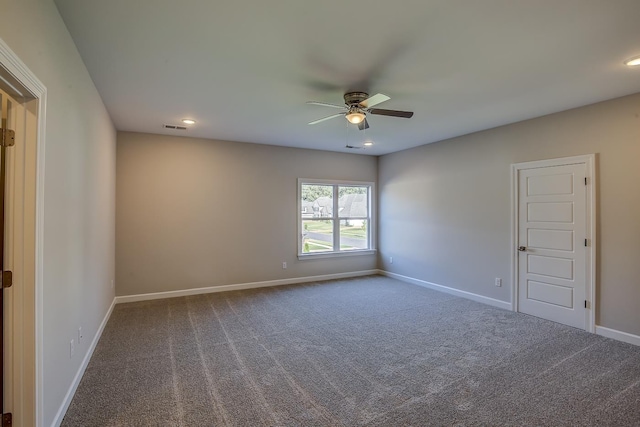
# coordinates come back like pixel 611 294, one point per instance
pixel 334 218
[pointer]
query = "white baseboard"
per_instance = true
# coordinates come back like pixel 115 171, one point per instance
pixel 618 335
pixel 600 330
pixel 464 294
pixel 239 286
pixel 83 366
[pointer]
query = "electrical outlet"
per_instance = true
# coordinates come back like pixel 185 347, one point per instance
pixel 390 260
pixel 72 348
pixel 284 265
pixel 80 335
pixel 498 281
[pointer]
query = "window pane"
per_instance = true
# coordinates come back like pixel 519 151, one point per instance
pixel 317 201
pixel 354 234
pixel 317 236
pixel 353 202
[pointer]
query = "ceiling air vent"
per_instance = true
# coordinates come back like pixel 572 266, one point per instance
pixel 174 127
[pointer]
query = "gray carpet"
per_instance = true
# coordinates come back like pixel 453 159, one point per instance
pixel 360 352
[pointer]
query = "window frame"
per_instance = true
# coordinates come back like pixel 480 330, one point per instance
pixel 335 217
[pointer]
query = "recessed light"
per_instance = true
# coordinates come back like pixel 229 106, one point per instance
pixel 188 121
pixel 368 144
pixel 633 62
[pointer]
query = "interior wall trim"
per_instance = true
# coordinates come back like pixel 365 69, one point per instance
pixel 21 76
pixel 599 330
pixel 239 286
pixel 453 291
pixel 618 335
pixel 83 366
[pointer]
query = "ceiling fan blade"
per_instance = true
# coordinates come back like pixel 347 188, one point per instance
pixel 326 118
pixel 363 125
pixel 392 113
pixel 374 100
pixel 324 104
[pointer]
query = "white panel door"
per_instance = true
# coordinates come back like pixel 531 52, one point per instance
pixel 551 239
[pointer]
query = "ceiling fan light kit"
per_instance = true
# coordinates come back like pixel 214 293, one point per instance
pixel 633 62
pixel 355 116
pixel 356 107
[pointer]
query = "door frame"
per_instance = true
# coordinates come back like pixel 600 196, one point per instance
pixel 16 74
pixel 589 160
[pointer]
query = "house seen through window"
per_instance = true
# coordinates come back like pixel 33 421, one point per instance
pixel 334 217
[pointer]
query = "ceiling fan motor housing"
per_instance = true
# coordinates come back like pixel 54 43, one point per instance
pixel 352 98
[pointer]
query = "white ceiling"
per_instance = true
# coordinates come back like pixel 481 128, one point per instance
pixel 245 68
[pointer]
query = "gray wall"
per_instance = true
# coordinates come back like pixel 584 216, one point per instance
pixel 79 192
pixel 195 213
pixel 444 208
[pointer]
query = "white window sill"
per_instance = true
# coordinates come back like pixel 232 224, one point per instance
pixel 335 254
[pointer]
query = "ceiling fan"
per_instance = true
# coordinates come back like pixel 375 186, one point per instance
pixel 357 105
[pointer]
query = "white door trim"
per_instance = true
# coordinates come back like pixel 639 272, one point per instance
pixel 589 160
pixel 23 80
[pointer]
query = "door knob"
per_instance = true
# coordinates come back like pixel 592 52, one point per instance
pixel 522 248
